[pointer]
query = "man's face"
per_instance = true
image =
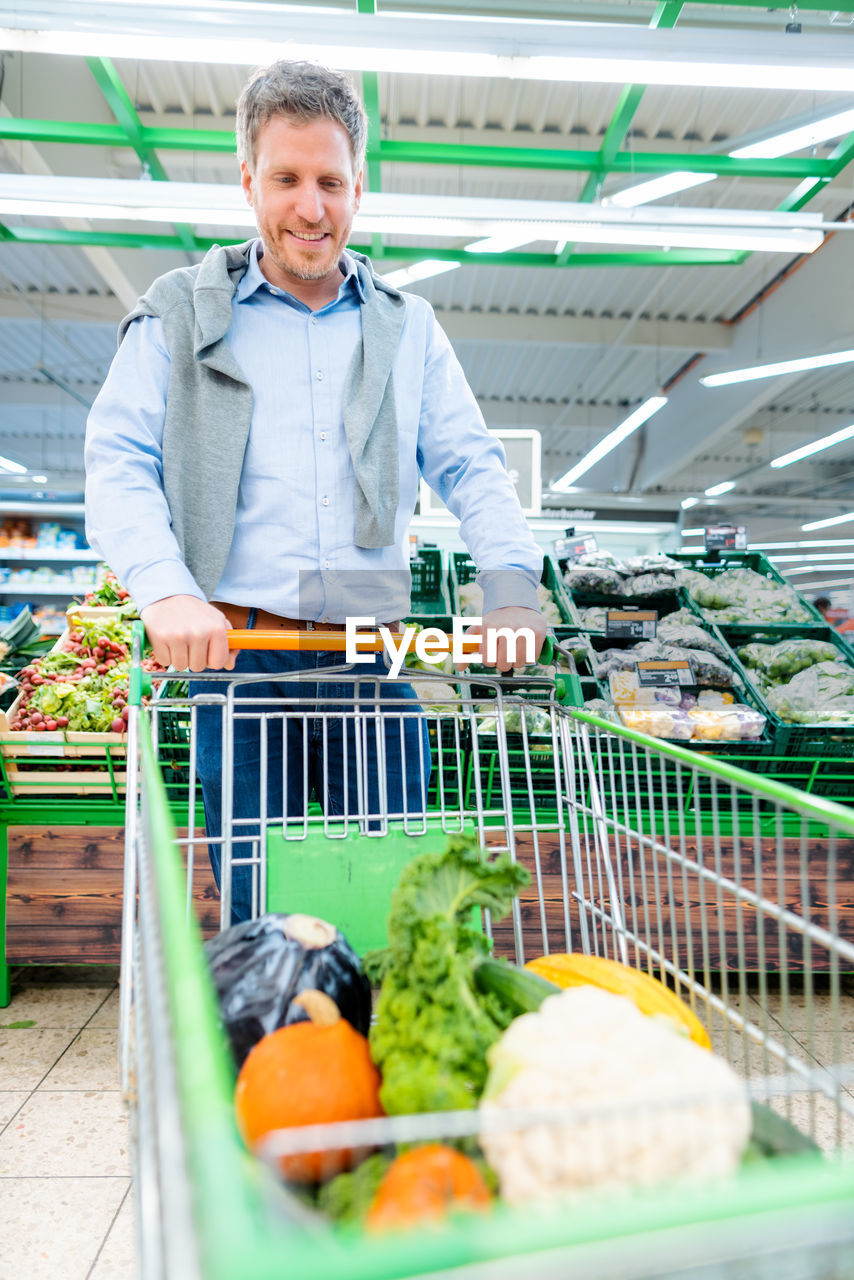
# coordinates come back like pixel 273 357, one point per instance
pixel 305 194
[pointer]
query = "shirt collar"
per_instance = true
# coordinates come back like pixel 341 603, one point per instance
pixel 254 278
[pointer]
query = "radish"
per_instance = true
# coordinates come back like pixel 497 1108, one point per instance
pixel 118 725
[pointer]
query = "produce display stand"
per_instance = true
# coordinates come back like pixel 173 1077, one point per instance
pixel 713 563
pixel 430 602
pixel 689 860
pixel 463 570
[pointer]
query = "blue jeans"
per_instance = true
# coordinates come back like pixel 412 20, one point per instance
pixel 309 755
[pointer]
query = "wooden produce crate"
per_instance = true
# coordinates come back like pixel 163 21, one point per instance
pixel 60 762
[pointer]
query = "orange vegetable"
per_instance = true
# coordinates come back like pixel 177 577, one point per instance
pixel 303 1074
pixel 425 1185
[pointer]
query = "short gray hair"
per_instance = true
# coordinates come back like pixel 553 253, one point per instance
pixel 301 91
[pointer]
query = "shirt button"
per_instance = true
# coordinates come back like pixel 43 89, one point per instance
pixel 324 502
pixel 323 435
pixel 314 320
pixel 319 375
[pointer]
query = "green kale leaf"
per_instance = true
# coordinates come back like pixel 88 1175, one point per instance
pixel 433 1027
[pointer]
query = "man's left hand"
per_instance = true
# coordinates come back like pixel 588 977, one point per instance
pixel 506 655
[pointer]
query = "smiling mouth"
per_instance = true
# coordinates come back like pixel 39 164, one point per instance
pixel 309 237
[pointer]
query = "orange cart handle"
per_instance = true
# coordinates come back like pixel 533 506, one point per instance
pixel 335 641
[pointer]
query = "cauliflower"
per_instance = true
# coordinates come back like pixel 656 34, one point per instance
pixel 647 1105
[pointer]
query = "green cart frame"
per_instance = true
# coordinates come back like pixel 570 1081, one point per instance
pixel 628 834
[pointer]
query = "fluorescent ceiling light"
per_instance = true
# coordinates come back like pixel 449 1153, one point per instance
pixel 657 188
pixel 826 524
pixel 717 490
pixel 692 533
pixel 817 568
pixel 774 370
pixel 781 144
pixel 497 244
pixel 418 271
pixel 635 419
pixel 812 557
pixel 432 44
pixel 807 450
pixel 807 542
pixel 687 503
pixel 6 464
pixel 214 204
pixel 807 135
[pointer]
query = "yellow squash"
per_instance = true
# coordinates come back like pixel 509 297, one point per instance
pixel 649 995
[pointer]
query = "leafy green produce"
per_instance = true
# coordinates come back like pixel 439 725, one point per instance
pixel 742 595
pixel 823 694
pixel 779 662
pixel 348 1197
pixel 534 719
pixel 433 1026
pixel 112 595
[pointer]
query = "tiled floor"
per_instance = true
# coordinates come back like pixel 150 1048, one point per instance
pixel 66 1210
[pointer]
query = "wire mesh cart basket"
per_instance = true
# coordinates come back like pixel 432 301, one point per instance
pixel 727 887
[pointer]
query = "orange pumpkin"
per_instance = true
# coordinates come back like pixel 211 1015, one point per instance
pixel 303 1074
pixel 425 1185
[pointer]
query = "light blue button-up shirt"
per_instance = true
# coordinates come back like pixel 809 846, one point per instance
pixel 293 551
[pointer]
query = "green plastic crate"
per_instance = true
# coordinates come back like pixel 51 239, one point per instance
pixel 462 570
pixel 713 564
pixel 430 599
pixel 795 740
pixel 748 748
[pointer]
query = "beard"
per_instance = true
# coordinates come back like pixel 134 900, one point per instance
pixel 305 264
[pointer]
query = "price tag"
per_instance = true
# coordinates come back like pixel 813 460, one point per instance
pixel 635 624
pixel 572 548
pixel 726 537
pixel 656 673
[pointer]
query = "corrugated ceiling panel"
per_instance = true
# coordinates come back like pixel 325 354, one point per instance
pixel 48 267
pixel 75 352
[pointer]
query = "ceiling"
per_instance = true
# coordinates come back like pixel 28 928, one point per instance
pixel 567 342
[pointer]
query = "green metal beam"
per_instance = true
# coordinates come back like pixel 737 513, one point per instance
pixel 665 16
pixel 111 86
pixel 448 153
pixel 636 162
pixel 397 253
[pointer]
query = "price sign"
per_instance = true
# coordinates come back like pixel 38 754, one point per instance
pixel 636 624
pixel 572 548
pixel 726 537
pixel 656 673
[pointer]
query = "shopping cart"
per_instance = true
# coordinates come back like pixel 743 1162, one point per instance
pixel 723 885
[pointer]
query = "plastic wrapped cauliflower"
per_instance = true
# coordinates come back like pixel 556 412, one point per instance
pixel 642 1104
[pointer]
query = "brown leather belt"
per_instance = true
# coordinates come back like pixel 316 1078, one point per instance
pixel 238 616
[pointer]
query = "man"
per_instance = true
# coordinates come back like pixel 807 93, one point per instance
pixel 254 454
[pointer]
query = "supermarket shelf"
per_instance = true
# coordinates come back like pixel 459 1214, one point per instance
pixel 67 589
pixel 84 556
pixel 38 509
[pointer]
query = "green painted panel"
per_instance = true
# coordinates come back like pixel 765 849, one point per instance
pixel 348 880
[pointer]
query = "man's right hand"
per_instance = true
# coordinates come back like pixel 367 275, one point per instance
pixel 188 634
